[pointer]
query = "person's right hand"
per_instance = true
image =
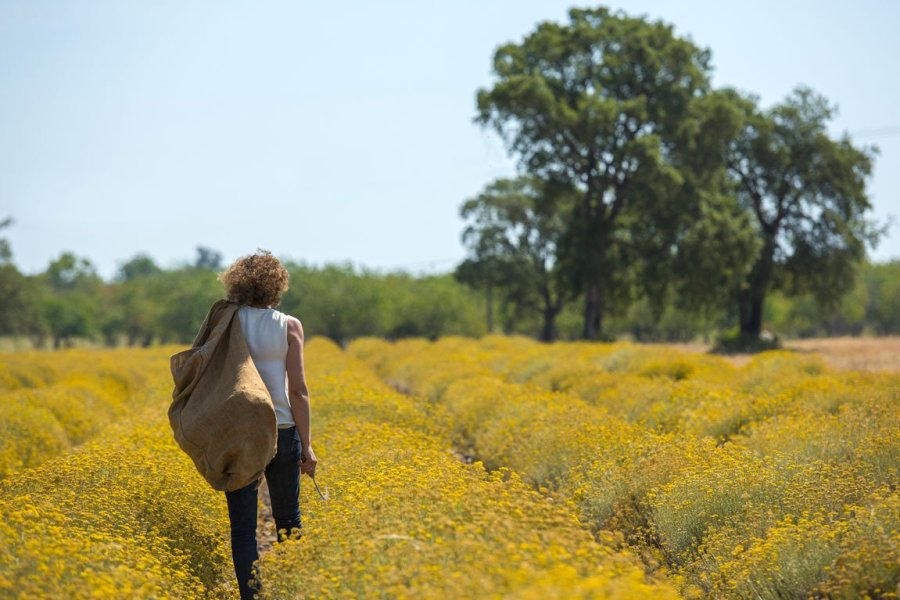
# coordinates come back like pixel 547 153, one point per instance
pixel 308 461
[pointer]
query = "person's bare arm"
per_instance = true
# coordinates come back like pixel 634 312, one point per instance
pixel 298 394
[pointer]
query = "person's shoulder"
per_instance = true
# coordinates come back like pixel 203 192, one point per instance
pixel 286 317
pixel 293 325
pixel 282 316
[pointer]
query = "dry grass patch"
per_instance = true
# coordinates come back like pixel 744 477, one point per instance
pixel 844 353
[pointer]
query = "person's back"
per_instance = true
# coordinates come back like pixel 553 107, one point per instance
pixel 265 330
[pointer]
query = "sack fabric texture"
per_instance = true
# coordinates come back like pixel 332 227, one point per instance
pixel 221 412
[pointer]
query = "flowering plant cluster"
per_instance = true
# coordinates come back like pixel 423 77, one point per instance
pixel 124 514
pixel 51 402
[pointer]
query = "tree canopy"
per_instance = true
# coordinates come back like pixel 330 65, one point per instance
pixel 617 108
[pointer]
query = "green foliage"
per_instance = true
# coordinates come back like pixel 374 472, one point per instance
pixel 183 297
pixel 871 307
pixel 618 108
pixel 19 307
pixel 714 256
pixel 432 307
pixel 882 286
pixel 341 303
pixel 805 194
pixel 680 186
pixel 130 310
pixel 643 323
pixel 5 248
pixel 68 273
pixel 513 231
pixel 19 313
pixel 68 304
pixel 68 316
pixel 140 265
pixel 335 302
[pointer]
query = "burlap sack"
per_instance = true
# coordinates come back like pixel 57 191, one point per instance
pixel 221 412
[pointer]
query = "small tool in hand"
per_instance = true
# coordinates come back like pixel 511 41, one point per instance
pixel 325 495
pixel 316 483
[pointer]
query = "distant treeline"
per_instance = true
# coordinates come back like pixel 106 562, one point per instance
pixel 145 304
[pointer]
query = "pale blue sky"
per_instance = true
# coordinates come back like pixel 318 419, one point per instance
pixel 339 131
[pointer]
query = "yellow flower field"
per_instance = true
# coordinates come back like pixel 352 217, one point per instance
pixel 499 468
pixel 775 480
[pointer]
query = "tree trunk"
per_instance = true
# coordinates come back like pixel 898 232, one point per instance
pixel 548 331
pixel 594 229
pixel 751 309
pixel 593 312
pixel 751 299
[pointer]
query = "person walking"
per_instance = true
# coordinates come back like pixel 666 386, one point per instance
pixel 275 340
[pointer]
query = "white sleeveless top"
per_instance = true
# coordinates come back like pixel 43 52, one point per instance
pixel 265 330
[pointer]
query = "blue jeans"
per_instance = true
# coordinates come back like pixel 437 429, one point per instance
pixel 283 479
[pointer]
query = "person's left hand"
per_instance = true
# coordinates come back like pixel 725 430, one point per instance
pixel 308 461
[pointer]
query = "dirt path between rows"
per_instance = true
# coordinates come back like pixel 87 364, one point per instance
pixel 265 523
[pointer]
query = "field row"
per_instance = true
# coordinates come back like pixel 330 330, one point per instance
pixel 775 480
pixel 52 402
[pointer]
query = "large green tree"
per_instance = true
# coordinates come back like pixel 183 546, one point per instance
pixel 611 105
pixel 805 193
pixel 513 230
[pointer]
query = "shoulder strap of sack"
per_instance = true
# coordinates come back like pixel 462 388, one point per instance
pixel 207 324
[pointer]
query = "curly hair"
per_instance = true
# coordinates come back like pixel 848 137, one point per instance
pixel 256 280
